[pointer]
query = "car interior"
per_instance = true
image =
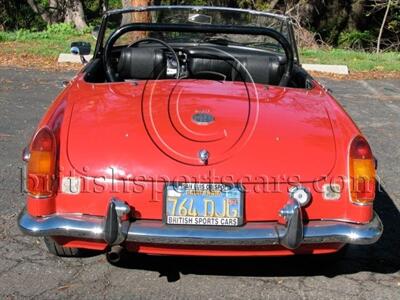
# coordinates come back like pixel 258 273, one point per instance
pixel 209 61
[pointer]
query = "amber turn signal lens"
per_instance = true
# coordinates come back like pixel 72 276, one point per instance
pixel 362 172
pixel 41 164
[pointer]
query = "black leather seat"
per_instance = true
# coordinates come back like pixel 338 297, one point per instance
pixel 266 69
pixel 206 68
pixel 150 63
pixel 141 63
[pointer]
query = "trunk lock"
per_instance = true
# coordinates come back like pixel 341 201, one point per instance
pixel 204 155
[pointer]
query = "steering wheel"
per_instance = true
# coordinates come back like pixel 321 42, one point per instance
pixel 110 72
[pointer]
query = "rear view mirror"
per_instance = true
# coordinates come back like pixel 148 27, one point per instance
pixel 199 19
pixel 80 48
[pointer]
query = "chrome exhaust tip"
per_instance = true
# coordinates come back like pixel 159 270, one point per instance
pixel 115 254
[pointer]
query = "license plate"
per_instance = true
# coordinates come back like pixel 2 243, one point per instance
pixel 203 204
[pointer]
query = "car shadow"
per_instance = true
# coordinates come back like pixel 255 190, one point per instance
pixel 381 257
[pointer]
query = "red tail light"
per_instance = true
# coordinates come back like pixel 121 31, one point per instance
pixel 362 172
pixel 41 165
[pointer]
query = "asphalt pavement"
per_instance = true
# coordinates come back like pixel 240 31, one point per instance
pixel 27 270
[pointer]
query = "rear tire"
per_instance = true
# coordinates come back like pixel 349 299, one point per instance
pixel 58 250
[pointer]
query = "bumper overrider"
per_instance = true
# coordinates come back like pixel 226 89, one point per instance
pixel 115 228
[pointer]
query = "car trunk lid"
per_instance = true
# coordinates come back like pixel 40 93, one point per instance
pixel 155 130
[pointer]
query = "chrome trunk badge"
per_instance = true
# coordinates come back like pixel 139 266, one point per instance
pixel 203 118
pixel 204 155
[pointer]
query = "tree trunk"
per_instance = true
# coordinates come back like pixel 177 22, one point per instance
pixel 40 11
pixel 378 46
pixel 273 4
pixel 126 18
pixel 357 14
pixel 74 13
pixel 103 5
pixel 57 11
pixel 140 17
pixel 61 11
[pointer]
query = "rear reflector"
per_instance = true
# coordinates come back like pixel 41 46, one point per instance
pixel 362 172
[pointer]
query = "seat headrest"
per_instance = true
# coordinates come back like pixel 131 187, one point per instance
pixel 207 68
pixel 263 69
pixel 141 63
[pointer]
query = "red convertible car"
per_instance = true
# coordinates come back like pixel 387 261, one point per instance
pixel 195 131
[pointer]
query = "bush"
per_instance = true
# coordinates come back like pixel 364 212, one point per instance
pixel 356 39
pixel 24 34
pixel 18 14
pixel 61 29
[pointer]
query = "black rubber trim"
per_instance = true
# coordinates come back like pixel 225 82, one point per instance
pixel 111 225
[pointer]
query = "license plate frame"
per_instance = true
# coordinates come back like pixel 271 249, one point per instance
pixel 236 192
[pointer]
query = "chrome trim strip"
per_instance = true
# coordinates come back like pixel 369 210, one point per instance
pixel 155 232
pixel 26 154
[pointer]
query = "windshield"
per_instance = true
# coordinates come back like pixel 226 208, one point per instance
pixel 198 16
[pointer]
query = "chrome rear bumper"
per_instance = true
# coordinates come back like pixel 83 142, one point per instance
pixel 254 234
pixel 115 231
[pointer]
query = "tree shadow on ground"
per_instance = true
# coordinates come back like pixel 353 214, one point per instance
pixel 381 257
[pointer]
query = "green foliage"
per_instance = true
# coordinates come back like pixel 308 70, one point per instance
pixel 394 22
pixel 355 39
pixel 252 4
pixel 199 2
pixel 54 31
pixel 112 4
pixel 356 60
pixel 23 35
pixel 18 14
pixel 61 29
pixel 49 47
